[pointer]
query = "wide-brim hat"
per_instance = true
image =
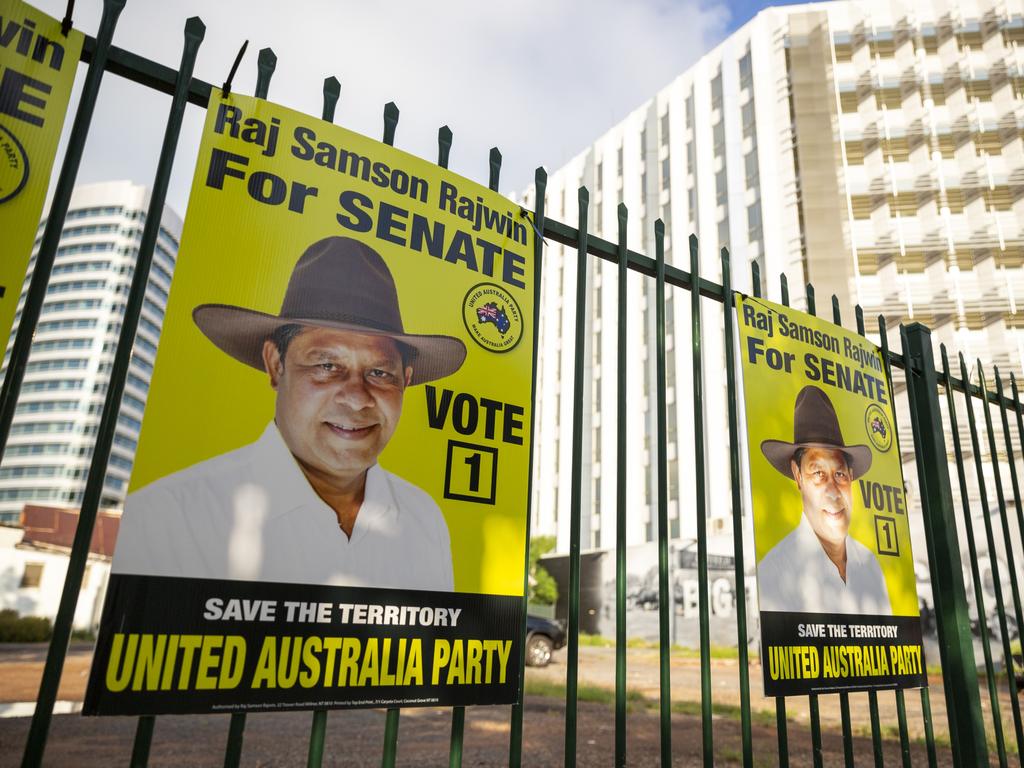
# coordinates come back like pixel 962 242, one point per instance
pixel 815 425
pixel 337 283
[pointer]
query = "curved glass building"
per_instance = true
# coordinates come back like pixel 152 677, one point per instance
pixel 58 413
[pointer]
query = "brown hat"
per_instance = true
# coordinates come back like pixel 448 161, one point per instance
pixel 815 425
pixel 337 283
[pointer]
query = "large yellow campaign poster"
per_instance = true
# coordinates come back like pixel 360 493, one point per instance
pixel 329 502
pixel 835 572
pixel 37 70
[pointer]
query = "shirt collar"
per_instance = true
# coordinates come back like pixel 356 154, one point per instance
pixel 289 490
pixel 809 542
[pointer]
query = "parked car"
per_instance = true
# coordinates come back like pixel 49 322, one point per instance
pixel 543 637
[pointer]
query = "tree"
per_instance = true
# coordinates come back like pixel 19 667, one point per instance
pixel 543 589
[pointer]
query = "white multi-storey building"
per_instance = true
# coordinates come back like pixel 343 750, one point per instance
pixel 871 148
pixel 58 412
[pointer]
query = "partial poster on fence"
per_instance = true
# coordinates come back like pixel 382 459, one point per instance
pixel 37 69
pixel 328 506
pixel 835 573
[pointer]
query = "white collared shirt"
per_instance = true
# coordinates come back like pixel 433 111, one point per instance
pixel 797 576
pixel 251 515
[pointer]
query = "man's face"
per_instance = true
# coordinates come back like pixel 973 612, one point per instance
pixel 824 480
pixel 339 398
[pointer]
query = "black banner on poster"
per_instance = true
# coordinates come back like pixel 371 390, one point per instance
pixel 829 652
pixel 192 646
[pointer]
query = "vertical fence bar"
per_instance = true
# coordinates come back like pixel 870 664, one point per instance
pixel 390 738
pixel 876 726
pixel 515 743
pixel 990 540
pixel 36 742
pixel 812 699
pixel 332 92
pixel 1014 485
pixel 664 606
pixel 143 740
pixel 901 718
pixel 960 675
pixel 620 498
pixel 929 734
pixel 455 742
pixel 317 732
pixel 979 594
pixel 901 709
pixel 1001 500
pixel 236 732
pixel 1020 430
pixel 739 569
pixel 393 713
pixel 700 503
pixel 572 651
pixel 444 145
pixel 844 697
pixel 55 223
pixel 781 721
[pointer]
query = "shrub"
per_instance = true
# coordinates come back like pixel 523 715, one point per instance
pixel 23 629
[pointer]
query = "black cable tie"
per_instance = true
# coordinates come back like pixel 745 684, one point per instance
pixel 234 68
pixel 65 24
pixel 525 214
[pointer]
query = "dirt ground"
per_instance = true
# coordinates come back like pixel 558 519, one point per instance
pixel 355 738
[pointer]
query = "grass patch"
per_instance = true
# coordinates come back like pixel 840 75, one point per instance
pixel 585 692
pixel 716 651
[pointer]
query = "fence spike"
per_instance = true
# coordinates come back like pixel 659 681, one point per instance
pixel 390 123
pixel 495 162
pixel 332 92
pixel 266 63
pixel 444 145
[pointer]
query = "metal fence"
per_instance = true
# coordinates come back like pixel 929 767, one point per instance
pixel 935 430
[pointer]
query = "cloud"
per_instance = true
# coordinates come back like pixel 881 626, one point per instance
pixel 540 80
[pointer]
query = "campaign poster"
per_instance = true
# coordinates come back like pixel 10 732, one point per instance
pixel 37 70
pixel 835 574
pixel 328 506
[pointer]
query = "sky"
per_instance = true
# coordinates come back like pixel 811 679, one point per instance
pixel 539 79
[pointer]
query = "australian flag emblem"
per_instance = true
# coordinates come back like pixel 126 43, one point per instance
pixel 491 313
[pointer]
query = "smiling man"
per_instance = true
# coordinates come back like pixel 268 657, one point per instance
pixel 308 502
pixel 819 568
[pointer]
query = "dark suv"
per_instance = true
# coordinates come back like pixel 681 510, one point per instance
pixel 543 636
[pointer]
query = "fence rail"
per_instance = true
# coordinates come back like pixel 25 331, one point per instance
pixel 919 379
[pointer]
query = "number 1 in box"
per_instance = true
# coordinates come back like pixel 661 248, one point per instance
pixel 471 473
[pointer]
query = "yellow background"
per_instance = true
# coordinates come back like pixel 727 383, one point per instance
pixel 769 398
pixel 19 216
pixel 237 251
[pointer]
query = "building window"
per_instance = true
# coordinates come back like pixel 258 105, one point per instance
pixel 691 158
pixel 746 71
pixel 619 161
pixel 689 110
pixel 747 115
pixel 716 91
pixel 750 167
pixel 599 173
pixel 718 134
pixel 32 577
pixel 721 188
pixel 754 221
pixel 666 173
pixel 664 129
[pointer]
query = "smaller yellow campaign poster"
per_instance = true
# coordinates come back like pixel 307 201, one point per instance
pixel 329 501
pixel 835 572
pixel 37 70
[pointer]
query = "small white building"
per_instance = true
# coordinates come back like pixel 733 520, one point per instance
pixel 34 563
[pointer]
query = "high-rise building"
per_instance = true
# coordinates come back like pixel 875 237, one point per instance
pixel 872 148
pixel 58 412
